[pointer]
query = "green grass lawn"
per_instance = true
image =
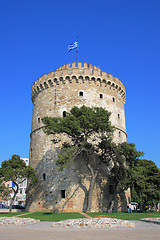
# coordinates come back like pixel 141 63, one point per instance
pixel 12 214
pixel 55 217
pixel 127 216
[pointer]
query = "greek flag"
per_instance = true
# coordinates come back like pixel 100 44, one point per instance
pixel 72 46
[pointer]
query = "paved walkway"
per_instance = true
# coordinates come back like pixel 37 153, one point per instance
pixel 44 231
pixel 84 214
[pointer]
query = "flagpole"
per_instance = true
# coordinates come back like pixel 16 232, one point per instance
pixel 77 53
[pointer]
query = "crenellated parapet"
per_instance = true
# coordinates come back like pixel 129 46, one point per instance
pixel 54 95
pixel 83 73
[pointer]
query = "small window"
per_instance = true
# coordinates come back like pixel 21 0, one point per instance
pixel 39 120
pixel 64 114
pixel 101 95
pixel 113 99
pixel 63 193
pixel 44 176
pixel 119 134
pixel 31 152
pixel 118 116
pixel 111 189
pixel 81 93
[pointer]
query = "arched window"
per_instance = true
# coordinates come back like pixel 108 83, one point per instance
pixel 64 114
pixel 81 94
pixel 101 95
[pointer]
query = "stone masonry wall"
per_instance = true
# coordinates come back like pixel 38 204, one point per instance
pixel 52 95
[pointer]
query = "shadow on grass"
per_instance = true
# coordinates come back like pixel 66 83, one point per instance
pixel 48 213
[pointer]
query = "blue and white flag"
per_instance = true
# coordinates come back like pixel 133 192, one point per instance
pixel 72 46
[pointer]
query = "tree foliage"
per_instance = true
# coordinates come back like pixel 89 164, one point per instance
pixel 15 170
pixel 80 124
pixel 145 186
pixel 124 164
pixel 88 129
pixel 91 134
pixel 4 192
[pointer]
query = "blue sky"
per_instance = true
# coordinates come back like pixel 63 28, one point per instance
pixel 122 37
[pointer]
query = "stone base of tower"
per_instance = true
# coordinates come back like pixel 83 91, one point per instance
pixel 67 191
pixel 53 95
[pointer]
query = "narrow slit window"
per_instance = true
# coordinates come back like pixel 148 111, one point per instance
pixel 113 99
pixel 31 152
pixel 63 193
pixel 44 176
pixel 39 120
pixel 118 116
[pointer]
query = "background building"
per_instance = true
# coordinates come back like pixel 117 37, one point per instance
pixel 21 195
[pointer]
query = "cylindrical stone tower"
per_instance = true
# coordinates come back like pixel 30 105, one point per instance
pixel 53 95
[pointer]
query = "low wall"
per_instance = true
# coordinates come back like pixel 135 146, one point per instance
pixel 13 210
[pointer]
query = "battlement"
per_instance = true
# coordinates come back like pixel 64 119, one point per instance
pixel 80 73
pixel 79 66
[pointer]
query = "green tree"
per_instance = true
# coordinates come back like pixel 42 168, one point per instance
pixel 124 164
pixel 87 129
pixel 15 170
pixel 5 192
pixel 90 135
pixel 146 183
pixel 142 176
pixel 122 173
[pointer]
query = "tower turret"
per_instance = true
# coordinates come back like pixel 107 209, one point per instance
pixel 53 95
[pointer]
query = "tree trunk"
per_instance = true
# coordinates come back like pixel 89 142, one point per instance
pixel 91 187
pixel 15 193
pixel 140 201
pixel 112 202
